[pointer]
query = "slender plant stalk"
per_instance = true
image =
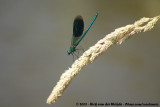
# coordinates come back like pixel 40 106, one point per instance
pixel 119 36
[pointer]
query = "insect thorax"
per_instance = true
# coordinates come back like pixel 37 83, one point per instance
pixel 72 49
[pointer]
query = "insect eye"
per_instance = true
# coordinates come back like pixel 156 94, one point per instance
pixel 68 52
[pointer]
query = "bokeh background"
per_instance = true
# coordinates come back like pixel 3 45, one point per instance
pixel 35 36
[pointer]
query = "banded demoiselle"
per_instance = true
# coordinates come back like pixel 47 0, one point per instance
pixel 78 27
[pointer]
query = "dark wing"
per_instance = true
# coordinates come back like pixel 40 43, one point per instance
pixel 78 27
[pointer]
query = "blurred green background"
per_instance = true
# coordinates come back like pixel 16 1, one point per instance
pixel 35 36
